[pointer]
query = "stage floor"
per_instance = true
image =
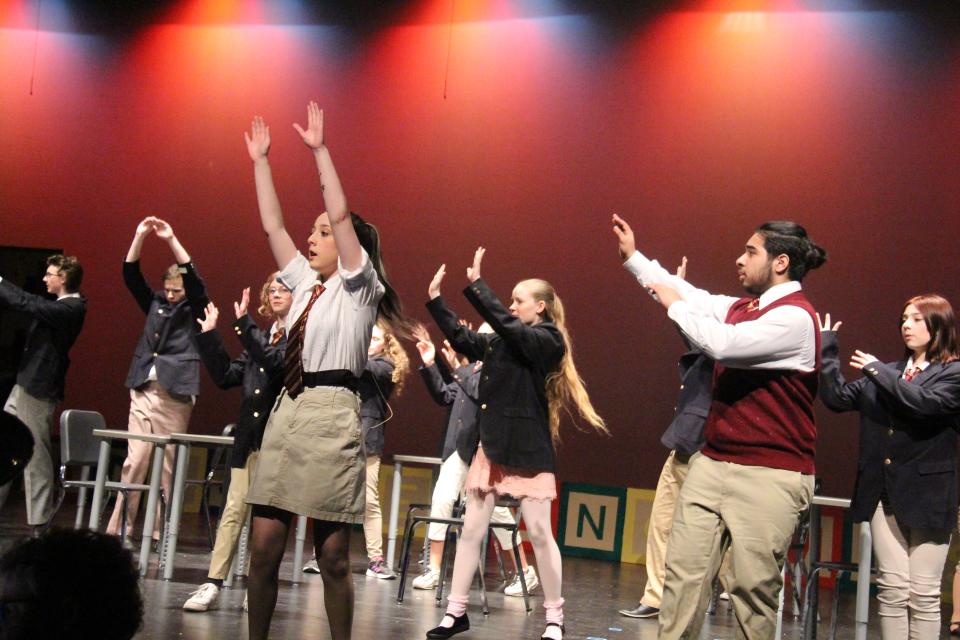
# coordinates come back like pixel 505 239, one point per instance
pixel 593 590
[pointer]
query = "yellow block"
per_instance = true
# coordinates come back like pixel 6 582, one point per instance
pixel 635 525
pixel 417 488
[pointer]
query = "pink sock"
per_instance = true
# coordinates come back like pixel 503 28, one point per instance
pixel 456 607
pixel 554 611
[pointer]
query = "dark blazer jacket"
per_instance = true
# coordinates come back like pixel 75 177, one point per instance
pixel 168 338
pixel 685 433
pixel 56 325
pixel 908 438
pixel 460 394
pixel 513 420
pixel 259 370
pixel 375 386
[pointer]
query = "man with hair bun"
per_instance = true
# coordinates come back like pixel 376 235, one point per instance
pixel 43 370
pixel 753 479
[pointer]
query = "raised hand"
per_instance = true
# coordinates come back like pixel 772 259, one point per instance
pixel 313 134
pixel 682 269
pixel 428 353
pixel 473 272
pixel 433 290
pixel 665 294
pixel 859 359
pixel 624 233
pixel 209 321
pixel 145 227
pixel 450 355
pixel 240 308
pixel 258 140
pixel 824 325
pixel 163 230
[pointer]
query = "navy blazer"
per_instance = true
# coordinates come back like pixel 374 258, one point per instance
pixel 168 338
pixel 374 388
pixel 460 394
pixel 908 437
pixel 55 327
pixel 685 433
pixel 259 370
pixel 517 358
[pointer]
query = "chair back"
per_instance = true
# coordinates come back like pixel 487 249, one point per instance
pixel 78 446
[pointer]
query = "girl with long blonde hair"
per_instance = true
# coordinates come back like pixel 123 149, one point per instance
pixel 529 379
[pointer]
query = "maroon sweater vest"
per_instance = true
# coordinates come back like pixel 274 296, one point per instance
pixel 764 417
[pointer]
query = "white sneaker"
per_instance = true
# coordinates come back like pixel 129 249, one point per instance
pixel 245 601
pixel 203 598
pixel 427 580
pixel 529 576
pixel 311 567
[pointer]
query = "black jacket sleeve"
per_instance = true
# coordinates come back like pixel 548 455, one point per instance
pixel 939 397
pixel 137 285
pixel 835 392
pixel 195 290
pixel 534 343
pixel 442 392
pixel 469 343
pixel 226 373
pixel 256 342
pixel 50 312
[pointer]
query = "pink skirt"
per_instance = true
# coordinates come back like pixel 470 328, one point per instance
pixel 486 476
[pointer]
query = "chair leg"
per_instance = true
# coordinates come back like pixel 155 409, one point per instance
pixel 523 577
pixel 82 497
pixel 836 605
pixel 405 559
pixel 123 515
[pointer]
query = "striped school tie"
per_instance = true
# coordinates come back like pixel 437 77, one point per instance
pixel 293 358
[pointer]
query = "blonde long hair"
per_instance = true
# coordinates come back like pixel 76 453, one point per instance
pixel 565 388
pixel 393 351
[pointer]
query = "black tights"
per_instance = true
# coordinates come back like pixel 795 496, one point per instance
pixel 331 543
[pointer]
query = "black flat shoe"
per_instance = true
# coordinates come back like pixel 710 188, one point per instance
pixel 460 623
pixel 553 624
pixel 954 629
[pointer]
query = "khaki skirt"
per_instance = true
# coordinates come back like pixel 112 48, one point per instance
pixel 311 461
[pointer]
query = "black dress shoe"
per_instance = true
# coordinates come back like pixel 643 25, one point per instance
pixel 460 623
pixel 552 624
pixel 640 611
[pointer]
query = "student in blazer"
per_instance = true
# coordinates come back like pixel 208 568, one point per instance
pixel 906 483
pixel 259 370
pixel 164 376
pixel 43 371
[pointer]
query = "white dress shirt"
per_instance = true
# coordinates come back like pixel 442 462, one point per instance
pixel 341 320
pixel 784 338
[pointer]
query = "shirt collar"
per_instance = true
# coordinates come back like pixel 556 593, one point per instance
pixel 922 366
pixel 69 295
pixel 778 291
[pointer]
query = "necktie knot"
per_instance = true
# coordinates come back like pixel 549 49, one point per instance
pixel 911 373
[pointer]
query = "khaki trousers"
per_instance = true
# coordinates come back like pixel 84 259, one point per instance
pixel 154 411
pixel 753 511
pixel 38 474
pixel 672 475
pixel 234 516
pixel 372 517
pixel 909 570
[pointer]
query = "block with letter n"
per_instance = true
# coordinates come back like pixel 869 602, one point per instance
pixel 591 520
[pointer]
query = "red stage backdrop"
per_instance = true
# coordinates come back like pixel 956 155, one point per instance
pixel 517 125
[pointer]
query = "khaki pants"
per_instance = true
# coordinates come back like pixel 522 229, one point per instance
pixel 372 517
pixel 152 410
pixel 909 569
pixel 753 511
pixel 672 475
pixel 38 475
pixel 234 516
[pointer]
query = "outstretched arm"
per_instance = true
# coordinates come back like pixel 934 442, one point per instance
pixel 271 216
pixel 464 340
pixel 835 392
pixel 335 201
pixel 132 276
pixel 143 230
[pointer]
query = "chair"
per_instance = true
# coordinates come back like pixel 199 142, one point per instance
pixel 514 528
pixel 216 463
pixel 79 448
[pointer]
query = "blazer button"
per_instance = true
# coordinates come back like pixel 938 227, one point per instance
pixel 256 414
pixel 489 349
pixel 256 391
pixel 160 311
pixel 155 354
pixel 681 387
pixel 261 369
pixel 887 461
pixel 484 406
pixel 486 377
pixel 889 432
pixel 156 335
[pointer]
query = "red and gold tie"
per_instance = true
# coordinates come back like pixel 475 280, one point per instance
pixel 911 373
pixel 293 358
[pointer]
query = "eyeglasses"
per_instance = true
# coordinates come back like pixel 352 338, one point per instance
pixel 273 291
